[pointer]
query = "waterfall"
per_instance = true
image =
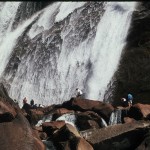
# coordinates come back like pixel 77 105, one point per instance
pixel 115 117
pixel 108 44
pixel 8 11
pixel 66 45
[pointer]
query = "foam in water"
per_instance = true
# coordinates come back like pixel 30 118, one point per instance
pixel 108 44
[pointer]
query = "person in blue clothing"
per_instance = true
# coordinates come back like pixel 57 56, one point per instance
pixel 130 99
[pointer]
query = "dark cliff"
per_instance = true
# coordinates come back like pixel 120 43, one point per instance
pixel 133 72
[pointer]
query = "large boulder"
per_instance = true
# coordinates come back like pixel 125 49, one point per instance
pixel 139 111
pixel 121 136
pixel 36 115
pixel 78 104
pixel 8 109
pixel 60 111
pixel 88 120
pixel 68 138
pixel 68 130
pixel 75 144
pixel 50 127
pixel 145 145
pixel 18 135
pixel 15 130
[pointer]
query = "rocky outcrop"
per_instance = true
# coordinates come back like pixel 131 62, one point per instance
pixel 15 130
pixel 18 134
pixel 121 136
pixel 88 120
pixel 50 127
pixel 139 111
pixel 84 130
pixel 101 108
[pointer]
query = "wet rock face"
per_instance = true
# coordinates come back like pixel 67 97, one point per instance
pixel 133 72
pixel 26 10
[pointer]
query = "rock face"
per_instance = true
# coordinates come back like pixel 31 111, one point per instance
pixel 84 132
pixel 139 111
pixel 103 109
pixel 133 72
pixel 121 136
pixel 16 132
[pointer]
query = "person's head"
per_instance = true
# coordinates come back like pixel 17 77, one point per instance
pixel 123 99
pixel 24 100
pixel 77 88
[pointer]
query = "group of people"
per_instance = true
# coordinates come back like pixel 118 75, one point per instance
pixel 127 101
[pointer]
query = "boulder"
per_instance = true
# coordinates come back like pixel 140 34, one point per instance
pixel 18 135
pixel 145 145
pixel 139 111
pixel 6 117
pixel 121 136
pixel 36 115
pixel 6 109
pixel 76 143
pixel 128 120
pixel 60 111
pixel 78 104
pixel 68 130
pixel 88 120
pixel 50 127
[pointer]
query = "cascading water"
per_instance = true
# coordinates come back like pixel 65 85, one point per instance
pixel 75 44
pixel 116 117
pixel 7 15
pixel 108 44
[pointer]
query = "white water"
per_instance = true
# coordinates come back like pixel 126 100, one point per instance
pixel 67 8
pixel 68 118
pixel 108 44
pixel 115 117
pixel 47 20
pixel 7 14
pixel 9 41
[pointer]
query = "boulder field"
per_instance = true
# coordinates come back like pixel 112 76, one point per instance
pixel 76 124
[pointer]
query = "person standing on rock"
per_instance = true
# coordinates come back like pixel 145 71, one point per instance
pixel 130 99
pixel 27 108
pixel 78 92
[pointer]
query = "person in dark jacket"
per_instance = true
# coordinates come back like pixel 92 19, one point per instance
pixel 27 108
pixel 32 104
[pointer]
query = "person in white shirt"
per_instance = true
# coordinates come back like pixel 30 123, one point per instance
pixel 78 92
